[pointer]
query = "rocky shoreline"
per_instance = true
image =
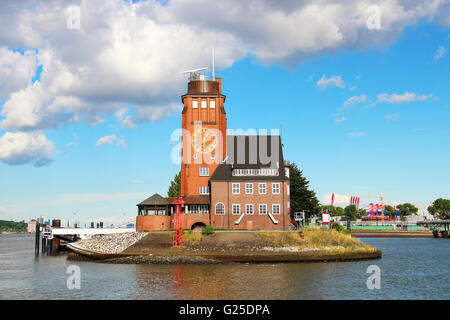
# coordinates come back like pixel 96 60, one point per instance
pixel 111 243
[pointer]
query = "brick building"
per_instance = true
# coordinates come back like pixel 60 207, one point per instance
pixel 230 182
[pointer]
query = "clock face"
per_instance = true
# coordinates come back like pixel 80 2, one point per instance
pixel 204 140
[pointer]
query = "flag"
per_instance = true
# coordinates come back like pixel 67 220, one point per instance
pixel 332 199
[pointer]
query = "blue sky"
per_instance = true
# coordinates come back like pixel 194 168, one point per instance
pixel 394 141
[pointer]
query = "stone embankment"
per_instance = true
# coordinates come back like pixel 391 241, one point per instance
pixel 110 243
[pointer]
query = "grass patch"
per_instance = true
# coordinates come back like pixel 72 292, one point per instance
pixel 328 240
pixel 192 238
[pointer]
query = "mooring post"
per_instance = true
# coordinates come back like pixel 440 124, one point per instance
pixel 37 240
pixel 44 244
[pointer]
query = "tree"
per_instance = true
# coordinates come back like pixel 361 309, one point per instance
pixel 333 211
pixel 351 212
pixel 390 211
pixel 440 208
pixel 302 198
pixel 407 209
pixel 175 186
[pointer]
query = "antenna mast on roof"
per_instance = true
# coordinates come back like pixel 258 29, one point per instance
pixel 213 65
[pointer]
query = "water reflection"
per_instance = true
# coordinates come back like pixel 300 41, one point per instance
pixel 411 269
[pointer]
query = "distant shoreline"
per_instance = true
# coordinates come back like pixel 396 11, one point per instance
pixel 391 234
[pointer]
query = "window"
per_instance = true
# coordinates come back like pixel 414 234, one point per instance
pixel 236 209
pixel 194 208
pixel 195 156
pixel 286 170
pixel 236 188
pixel 204 190
pixel 238 172
pixel 220 209
pixel 262 188
pixel 194 104
pixel 288 189
pixel 213 156
pixel 276 209
pixel 263 209
pixel 212 104
pixel 275 188
pixel 203 208
pixel 288 204
pixel 249 188
pixel 204 172
pixel 204 104
pixel 249 209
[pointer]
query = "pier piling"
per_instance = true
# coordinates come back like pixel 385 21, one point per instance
pixel 37 240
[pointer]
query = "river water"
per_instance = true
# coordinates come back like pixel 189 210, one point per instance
pixel 410 269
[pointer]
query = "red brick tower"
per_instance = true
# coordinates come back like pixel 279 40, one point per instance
pixel 204 126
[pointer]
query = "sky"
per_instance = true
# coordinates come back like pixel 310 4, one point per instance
pixel 90 96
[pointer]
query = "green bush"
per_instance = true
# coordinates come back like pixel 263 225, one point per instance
pixel 336 226
pixel 208 230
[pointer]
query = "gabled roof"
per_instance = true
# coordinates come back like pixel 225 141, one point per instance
pixel 252 152
pixel 155 199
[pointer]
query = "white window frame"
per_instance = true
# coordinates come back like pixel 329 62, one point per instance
pixel 195 104
pixel 288 189
pixel 204 174
pixel 238 188
pixel 265 205
pixel 246 209
pixel 203 103
pixel 273 188
pixel 286 170
pixel 248 184
pixel 265 188
pixel 204 190
pixel 273 209
pixel 192 206
pixel 212 104
pixel 235 205
pixel 215 209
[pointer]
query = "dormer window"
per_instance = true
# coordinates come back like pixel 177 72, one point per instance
pixel 204 105
pixel 194 104
pixel 212 104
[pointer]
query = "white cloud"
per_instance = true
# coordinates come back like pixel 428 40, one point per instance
pixel 16 71
pixel 401 98
pixel 325 82
pixel 339 116
pixel 131 55
pixel 124 118
pixel 439 53
pixel 356 134
pixel 355 100
pixel 340 119
pixel 25 147
pixel 110 140
pixel 79 198
pixel 392 116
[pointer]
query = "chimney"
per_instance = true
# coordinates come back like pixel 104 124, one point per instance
pixel 219 80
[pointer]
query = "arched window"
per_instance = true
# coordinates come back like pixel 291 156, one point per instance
pixel 220 209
